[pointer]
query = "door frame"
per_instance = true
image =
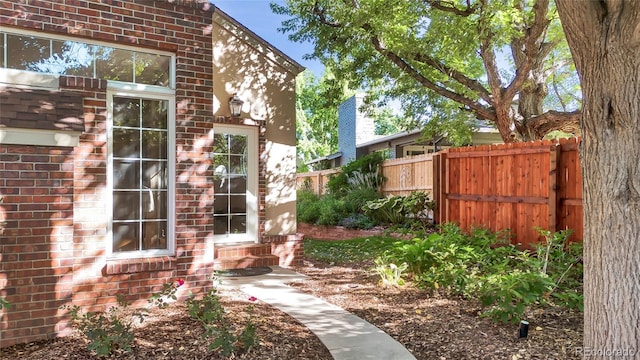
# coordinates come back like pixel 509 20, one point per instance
pixel 252 191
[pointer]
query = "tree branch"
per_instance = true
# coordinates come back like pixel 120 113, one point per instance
pixel 471 84
pixel 555 120
pixel 449 6
pixel 531 48
pixel 321 14
pixel 481 111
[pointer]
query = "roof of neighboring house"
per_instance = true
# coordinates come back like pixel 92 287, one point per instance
pixel 258 43
pixel 328 157
pixel 391 137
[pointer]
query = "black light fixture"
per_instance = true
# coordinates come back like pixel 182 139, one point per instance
pixel 235 104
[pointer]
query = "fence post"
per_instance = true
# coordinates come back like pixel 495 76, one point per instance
pixel 554 158
pixel 439 187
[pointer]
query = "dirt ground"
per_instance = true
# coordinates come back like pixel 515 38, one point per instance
pixel 430 327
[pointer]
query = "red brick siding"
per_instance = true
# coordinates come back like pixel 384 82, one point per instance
pixel 54 241
pixel 36 185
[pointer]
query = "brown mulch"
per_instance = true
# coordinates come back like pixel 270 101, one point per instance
pixel 431 327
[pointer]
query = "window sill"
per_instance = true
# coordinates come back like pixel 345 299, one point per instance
pixel 131 266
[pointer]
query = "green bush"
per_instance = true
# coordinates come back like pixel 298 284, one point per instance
pixel 486 266
pixel 307 207
pixel 400 209
pixel 356 198
pixel 107 331
pixel 211 315
pixel 356 174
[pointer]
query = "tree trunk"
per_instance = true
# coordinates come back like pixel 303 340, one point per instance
pixel 605 43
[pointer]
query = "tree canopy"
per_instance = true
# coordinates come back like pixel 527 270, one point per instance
pixel 449 62
pixel 317 102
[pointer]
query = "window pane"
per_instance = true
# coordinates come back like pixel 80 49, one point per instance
pixel 70 58
pixel 238 204
pixel 154 114
pixel 154 204
pixel 238 224
pixel 125 237
pixel 154 144
pixel 154 235
pixel 154 174
pixel 238 144
pixel 126 143
pixel 220 204
pixel 114 64
pixel 220 143
pixel 152 69
pixel 237 165
pixel 238 185
pixel 126 205
pixel 27 52
pixel 220 225
pixel 126 112
pixel 126 174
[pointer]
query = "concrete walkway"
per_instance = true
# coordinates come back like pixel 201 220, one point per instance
pixel 347 336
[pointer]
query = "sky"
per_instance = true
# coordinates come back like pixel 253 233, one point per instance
pixel 257 16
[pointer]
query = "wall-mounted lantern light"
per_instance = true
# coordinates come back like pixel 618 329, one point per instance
pixel 235 104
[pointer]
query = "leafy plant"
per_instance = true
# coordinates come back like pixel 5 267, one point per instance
pixel 362 172
pixel 562 262
pixel 211 315
pixel 390 273
pixel 107 331
pixel 400 209
pixel 508 295
pixel 486 266
pixel 4 304
pixel 168 292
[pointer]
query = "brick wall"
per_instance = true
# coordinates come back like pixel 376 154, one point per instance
pixel 37 239
pixel 53 243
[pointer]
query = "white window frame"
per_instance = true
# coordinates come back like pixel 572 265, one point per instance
pixel 252 199
pixel 155 93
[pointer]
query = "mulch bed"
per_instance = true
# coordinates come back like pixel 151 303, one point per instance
pixel 431 327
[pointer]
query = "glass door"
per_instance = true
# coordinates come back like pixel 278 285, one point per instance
pixel 235 182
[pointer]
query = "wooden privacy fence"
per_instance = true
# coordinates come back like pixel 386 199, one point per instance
pixel 516 187
pixel 404 175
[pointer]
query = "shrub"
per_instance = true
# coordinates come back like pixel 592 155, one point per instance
pixel 167 294
pixel 505 279
pixel 211 315
pixel 307 206
pixel 357 221
pixel 107 331
pixel 400 209
pixel 356 198
pixel 356 174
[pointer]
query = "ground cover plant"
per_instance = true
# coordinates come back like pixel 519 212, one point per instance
pixel 486 266
pixel 348 251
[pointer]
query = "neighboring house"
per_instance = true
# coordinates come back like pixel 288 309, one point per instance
pixel 356 138
pixel 122 167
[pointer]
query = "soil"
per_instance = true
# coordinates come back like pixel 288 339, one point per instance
pixel 431 327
